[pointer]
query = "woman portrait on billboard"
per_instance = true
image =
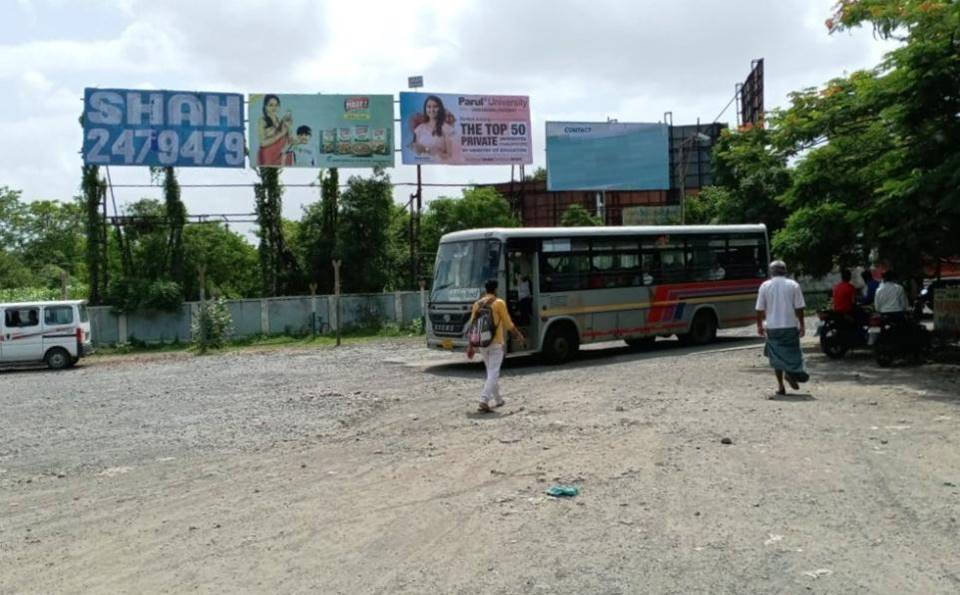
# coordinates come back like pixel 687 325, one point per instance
pixel 273 132
pixel 433 130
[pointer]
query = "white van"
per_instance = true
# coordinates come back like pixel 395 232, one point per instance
pixel 57 333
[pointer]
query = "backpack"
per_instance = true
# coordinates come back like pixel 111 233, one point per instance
pixel 483 327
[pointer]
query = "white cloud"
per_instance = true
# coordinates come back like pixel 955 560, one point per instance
pixel 576 60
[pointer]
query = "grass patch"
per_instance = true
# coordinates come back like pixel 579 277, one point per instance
pixel 353 336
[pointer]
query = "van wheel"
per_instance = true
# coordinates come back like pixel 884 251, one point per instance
pixel 560 344
pixel 703 329
pixel 58 358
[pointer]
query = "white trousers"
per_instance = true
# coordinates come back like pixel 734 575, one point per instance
pixel 492 359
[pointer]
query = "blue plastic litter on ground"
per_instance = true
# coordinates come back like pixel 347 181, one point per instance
pixel 562 491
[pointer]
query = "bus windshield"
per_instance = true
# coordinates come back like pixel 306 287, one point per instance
pixel 462 269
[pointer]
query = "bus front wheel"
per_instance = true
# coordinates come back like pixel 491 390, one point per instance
pixel 560 344
pixel 703 329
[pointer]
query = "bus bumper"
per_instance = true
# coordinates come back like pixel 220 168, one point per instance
pixel 447 344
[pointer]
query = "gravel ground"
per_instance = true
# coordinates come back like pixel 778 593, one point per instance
pixel 365 470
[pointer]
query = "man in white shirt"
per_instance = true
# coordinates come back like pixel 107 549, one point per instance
pixel 780 304
pixel 891 298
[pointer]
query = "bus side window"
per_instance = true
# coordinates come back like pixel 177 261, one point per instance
pixel 648 269
pixel 672 266
pixel 745 257
pixel 706 257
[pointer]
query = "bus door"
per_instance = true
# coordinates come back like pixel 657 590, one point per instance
pixel 521 296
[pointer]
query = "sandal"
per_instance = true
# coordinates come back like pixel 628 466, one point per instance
pixel 792 381
pixel 484 408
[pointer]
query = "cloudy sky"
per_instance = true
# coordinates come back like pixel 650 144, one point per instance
pixel 577 60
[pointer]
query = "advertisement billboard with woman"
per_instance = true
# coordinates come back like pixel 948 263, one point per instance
pixel 321 130
pixel 450 129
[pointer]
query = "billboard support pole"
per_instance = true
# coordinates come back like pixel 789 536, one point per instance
pixel 416 238
pixel 104 236
pixel 336 294
pixel 413 253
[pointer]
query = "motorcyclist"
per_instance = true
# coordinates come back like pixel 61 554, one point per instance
pixel 844 295
pixel 869 288
pixel 891 299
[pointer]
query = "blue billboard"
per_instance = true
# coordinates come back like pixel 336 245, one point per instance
pixel 607 156
pixel 162 128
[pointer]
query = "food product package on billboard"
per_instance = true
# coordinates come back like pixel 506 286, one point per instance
pixel 452 129
pixel 321 130
pixel 162 128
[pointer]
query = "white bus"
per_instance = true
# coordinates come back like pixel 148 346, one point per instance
pixel 591 284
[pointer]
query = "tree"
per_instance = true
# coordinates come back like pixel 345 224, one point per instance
pixel 753 174
pixel 279 271
pixel 142 280
pixel 398 251
pixel 40 240
pixel 176 215
pixel 539 175
pixel 93 193
pixel 230 262
pixel 317 237
pixel 11 218
pixel 577 215
pixel 52 236
pixel 879 164
pixel 478 207
pixel 366 208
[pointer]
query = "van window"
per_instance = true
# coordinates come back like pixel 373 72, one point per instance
pixel 84 315
pixel 58 315
pixel 21 317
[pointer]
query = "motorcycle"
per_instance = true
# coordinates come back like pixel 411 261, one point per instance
pixel 898 336
pixel 841 332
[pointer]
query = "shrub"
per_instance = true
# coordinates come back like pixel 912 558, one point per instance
pixel 213 326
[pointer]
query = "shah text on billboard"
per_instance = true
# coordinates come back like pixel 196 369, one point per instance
pixel 162 128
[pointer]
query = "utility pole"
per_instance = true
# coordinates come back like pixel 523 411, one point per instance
pixel 336 294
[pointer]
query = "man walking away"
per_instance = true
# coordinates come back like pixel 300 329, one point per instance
pixel 493 354
pixel 780 303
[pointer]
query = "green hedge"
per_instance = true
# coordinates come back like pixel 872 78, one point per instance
pixel 37 294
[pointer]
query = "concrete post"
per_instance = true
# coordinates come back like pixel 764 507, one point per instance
pixel 122 336
pixel 264 317
pixel 398 307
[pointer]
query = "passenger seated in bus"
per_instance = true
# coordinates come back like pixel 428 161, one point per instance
pixel 596 279
pixel 546 276
pixel 671 268
pixel 716 272
pixel 34 318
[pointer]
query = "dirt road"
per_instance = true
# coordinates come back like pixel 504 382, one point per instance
pixel 365 470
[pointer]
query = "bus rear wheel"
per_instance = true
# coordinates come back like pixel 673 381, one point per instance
pixel 560 344
pixel 703 329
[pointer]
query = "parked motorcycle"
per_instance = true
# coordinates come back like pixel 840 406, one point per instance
pixel 841 332
pixel 898 336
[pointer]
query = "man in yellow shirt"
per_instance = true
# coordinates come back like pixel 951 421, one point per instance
pixel 493 354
